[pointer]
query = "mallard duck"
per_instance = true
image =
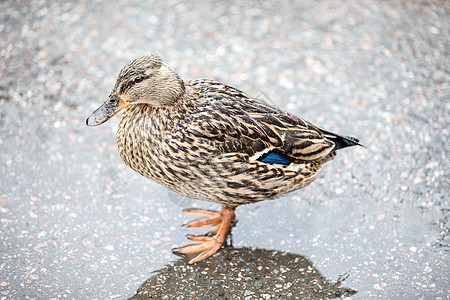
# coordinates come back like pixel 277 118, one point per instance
pixel 209 141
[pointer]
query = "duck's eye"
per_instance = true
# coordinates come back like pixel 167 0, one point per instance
pixel 138 79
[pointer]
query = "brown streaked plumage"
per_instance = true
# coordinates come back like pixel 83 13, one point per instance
pixel 208 141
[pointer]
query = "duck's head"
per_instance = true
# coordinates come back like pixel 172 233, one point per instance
pixel 143 80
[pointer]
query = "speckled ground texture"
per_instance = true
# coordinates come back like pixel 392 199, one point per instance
pixel 77 223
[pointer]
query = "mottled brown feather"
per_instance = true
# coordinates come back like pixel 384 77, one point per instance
pixel 201 145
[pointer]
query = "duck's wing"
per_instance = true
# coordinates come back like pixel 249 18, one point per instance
pixel 234 122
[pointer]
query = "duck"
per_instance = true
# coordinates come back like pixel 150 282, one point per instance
pixel 209 141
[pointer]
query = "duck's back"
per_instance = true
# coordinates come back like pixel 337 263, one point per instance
pixel 258 151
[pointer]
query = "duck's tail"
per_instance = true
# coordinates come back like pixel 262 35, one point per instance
pixel 341 141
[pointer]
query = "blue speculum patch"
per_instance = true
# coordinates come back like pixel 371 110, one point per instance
pixel 274 158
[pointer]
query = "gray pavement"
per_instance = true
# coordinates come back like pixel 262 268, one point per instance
pixel 77 223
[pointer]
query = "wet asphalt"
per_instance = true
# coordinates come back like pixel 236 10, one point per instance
pixel 76 223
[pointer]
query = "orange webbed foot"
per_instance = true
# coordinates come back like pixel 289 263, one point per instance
pixel 212 218
pixel 213 240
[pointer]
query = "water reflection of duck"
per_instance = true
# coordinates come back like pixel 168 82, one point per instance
pixel 209 141
pixel 235 273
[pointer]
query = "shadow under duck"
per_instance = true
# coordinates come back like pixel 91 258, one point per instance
pixel 209 141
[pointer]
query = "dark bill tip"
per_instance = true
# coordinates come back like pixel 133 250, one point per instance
pixel 92 122
pixel 108 109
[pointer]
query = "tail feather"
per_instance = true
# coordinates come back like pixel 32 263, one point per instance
pixel 341 141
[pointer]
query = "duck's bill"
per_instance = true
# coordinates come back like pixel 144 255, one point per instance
pixel 106 111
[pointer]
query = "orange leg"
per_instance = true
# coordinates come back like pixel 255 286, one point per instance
pixel 213 240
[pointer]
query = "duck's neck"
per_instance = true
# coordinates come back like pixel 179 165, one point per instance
pixel 144 130
pixel 161 118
